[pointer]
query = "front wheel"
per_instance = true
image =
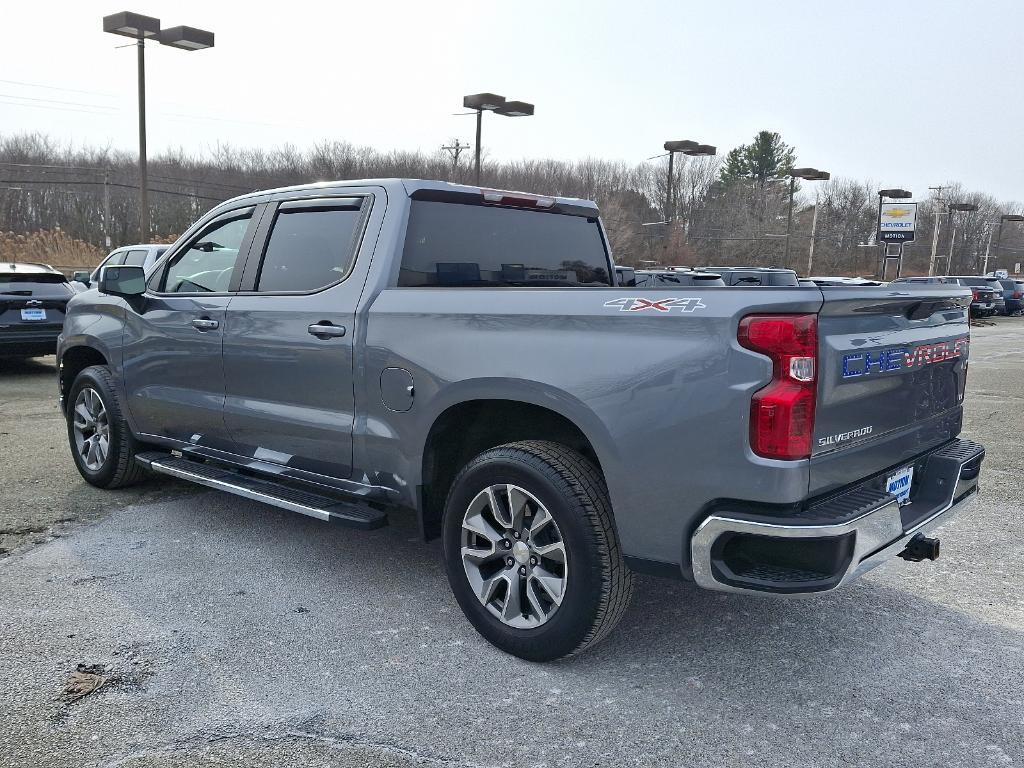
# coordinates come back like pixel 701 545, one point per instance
pixel 101 441
pixel 531 551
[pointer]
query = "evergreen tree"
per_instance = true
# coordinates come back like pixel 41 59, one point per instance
pixel 766 157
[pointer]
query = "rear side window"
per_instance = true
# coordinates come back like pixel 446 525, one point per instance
pixel 978 282
pixel 309 248
pixel 136 258
pixel 456 245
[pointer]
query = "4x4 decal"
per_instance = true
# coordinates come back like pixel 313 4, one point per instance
pixel 639 304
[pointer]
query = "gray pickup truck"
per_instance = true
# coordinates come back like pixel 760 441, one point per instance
pixel 352 350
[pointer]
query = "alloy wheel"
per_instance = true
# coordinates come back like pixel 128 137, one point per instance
pixel 514 556
pixel 91 429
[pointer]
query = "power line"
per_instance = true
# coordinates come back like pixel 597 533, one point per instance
pixel 114 184
pixel 57 88
pixel 55 101
pixel 56 109
pixel 101 169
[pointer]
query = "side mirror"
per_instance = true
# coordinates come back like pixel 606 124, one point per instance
pixel 82 277
pixel 122 281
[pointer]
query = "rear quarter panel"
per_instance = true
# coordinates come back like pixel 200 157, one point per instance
pixel 663 396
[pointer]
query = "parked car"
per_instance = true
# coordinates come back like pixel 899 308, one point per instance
pixel 144 256
pixel 625 276
pixel 32 302
pixel 1013 295
pixel 675 278
pixel 861 281
pixel 983 297
pixel 991 283
pixel 774 276
pixel 353 350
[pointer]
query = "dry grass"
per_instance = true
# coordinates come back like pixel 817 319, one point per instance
pixel 49 247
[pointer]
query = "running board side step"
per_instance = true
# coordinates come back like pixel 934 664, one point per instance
pixel 348 513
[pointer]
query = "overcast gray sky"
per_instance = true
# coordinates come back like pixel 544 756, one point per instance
pixel 909 93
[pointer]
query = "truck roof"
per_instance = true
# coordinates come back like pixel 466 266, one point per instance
pixel 410 187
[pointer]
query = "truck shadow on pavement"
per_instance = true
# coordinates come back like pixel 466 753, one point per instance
pixel 15 367
pixel 360 634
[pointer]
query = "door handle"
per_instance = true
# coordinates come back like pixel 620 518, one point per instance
pixel 205 324
pixel 326 330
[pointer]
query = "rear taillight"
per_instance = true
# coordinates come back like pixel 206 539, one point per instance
pixel 974 295
pixel 1018 295
pixel 782 413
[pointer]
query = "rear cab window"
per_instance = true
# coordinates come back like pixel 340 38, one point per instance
pixel 470 245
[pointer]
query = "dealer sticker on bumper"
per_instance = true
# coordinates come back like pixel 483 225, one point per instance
pixel 899 484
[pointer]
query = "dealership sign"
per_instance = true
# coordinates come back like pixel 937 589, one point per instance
pixel 896 222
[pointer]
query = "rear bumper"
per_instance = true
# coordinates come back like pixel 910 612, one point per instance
pixel 18 340
pixel 833 542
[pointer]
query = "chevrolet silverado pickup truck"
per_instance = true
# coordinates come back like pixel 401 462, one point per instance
pixel 360 349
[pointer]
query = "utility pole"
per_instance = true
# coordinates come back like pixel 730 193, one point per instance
pixel 935 229
pixel 814 230
pixel 984 269
pixel 669 202
pixel 455 149
pixel 143 175
pixel 106 206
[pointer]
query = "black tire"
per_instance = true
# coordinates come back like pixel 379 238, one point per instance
pixel 598 584
pixel 119 468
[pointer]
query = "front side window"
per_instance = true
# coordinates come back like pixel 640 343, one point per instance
pixel 206 263
pixel 460 245
pixel 309 248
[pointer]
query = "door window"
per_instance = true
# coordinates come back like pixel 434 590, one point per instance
pixel 115 259
pixel 206 263
pixel 135 258
pixel 309 248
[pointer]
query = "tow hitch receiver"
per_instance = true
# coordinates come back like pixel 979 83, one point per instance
pixel 921 548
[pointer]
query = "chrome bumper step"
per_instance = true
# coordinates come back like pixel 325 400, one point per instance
pixel 348 513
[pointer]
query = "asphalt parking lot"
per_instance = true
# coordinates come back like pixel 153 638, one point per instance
pixel 237 634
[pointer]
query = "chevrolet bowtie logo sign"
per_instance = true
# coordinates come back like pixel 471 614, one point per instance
pixel 896 222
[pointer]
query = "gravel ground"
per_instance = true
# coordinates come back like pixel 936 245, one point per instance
pixel 236 634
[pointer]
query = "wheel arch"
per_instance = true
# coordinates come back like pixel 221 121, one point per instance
pixel 73 360
pixel 469 426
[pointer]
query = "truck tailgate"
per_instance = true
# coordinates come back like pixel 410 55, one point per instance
pixel 892 370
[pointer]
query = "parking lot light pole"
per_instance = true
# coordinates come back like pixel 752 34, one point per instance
pixel 140 28
pixel 492 102
pixel 999 237
pixel 687 147
pixel 808 174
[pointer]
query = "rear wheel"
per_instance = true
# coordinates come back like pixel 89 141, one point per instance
pixel 101 442
pixel 531 550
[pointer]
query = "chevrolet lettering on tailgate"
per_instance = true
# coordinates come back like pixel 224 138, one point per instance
pixel 902 358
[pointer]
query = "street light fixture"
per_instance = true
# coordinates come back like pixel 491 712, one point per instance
pixel 141 28
pixel 686 147
pixel 492 102
pixel 808 174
